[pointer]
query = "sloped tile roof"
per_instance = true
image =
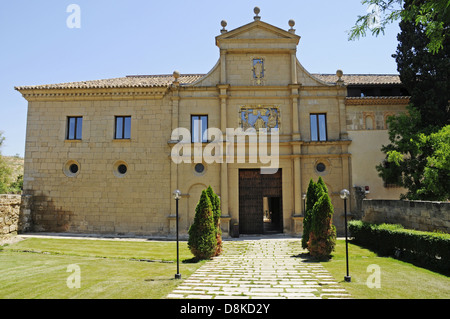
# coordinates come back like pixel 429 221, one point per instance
pixel 132 81
pixel 164 80
pixel 350 79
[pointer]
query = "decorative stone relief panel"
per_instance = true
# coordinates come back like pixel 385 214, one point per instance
pixel 260 117
pixel 258 71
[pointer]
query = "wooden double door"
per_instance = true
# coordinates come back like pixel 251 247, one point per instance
pixel 260 202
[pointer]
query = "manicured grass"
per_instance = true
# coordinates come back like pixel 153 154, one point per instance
pixel 151 250
pixel 38 269
pixel 398 280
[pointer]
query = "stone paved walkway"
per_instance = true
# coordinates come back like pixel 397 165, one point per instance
pixel 260 268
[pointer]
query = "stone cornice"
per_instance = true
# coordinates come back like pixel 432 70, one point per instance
pixel 93 94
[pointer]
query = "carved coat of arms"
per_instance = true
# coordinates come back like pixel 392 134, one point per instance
pixel 260 118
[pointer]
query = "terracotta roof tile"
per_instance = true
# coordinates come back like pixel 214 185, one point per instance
pixel 165 80
pixel 350 79
pixel 128 81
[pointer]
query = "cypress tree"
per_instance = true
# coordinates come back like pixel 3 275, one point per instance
pixel 322 238
pixel 322 184
pixel 202 234
pixel 215 202
pixel 311 198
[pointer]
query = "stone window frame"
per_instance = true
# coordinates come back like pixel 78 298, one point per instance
pixel 197 173
pixel 77 128
pixel 67 168
pixel 116 168
pixel 124 135
pixel 318 127
pixel 327 164
pixel 200 116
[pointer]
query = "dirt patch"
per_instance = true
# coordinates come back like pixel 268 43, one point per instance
pixel 8 240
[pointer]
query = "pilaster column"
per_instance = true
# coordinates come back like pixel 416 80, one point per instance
pixel 223 166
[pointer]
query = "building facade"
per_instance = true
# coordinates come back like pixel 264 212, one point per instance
pixel 99 154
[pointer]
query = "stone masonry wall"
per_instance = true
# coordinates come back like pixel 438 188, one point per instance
pixel 420 215
pixel 15 214
pixel 9 214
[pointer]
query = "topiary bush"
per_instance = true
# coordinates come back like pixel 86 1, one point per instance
pixel 202 234
pixel 311 199
pixel 322 236
pixel 215 202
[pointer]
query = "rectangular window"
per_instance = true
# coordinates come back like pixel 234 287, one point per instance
pixel 123 127
pixel 74 127
pixel 199 125
pixel 318 127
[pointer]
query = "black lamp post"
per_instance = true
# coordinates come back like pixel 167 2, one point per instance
pixel 344 194
pixel 177 196
pixel 304 203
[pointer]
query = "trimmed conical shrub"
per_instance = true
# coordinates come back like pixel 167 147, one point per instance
pixel 215 202
pixel 311 199
pixel 202 234
pixel 322 236
pixel 321 183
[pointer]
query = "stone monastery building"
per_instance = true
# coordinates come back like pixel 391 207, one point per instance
pixel 99 154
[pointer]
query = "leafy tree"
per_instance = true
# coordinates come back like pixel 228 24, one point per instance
pixel 215 202
pixel 202 234
pixel 436 177
pixel 5 171
pixel 427 77
pixel 433 15
pixel 16 187
pixel 322 237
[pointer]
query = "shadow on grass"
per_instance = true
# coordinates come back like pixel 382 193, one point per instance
pixel 307 258
pixel 192 260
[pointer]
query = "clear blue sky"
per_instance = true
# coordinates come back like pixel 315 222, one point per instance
pixel 119 38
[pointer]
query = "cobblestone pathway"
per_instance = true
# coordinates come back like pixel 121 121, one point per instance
pixel 262 268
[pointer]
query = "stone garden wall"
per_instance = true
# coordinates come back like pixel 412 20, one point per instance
pixel 9 214
pixel 419 215
pixel 15 213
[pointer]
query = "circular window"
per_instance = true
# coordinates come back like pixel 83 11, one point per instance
pixel 199 168
pixel 71 168
pixel 120 169
pixel 320 167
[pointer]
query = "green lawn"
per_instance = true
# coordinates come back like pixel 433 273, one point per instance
pixel 38 268
pixel 398 280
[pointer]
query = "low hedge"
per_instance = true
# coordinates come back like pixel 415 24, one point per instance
pixel 426 249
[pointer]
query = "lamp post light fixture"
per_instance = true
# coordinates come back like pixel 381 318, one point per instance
pixel 177 196
pixel 304 203
pixel 344 195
